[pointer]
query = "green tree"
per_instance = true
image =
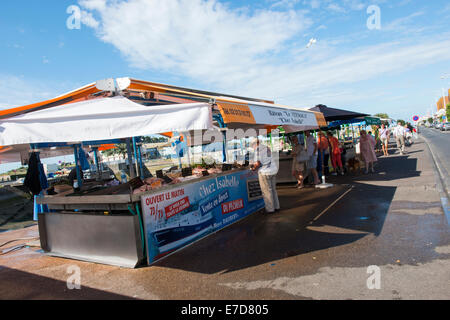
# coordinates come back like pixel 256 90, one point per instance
pixel 154 139
pixel 120 149
pixel 448 111
pixel 430 120
pixel 403 122
pixel 382 115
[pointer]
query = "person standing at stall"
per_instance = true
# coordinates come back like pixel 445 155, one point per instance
pixel 323 147
pixel 367 147
pixel 73 180
pixel 298 162
pixel 311 148
pixel 336 152
pixel 267 171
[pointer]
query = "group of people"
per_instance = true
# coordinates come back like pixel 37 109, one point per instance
pixel 402 133
pixel 310 154
pixel 313 155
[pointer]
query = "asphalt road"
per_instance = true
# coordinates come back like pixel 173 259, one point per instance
pixel 439 143
pixel 319 246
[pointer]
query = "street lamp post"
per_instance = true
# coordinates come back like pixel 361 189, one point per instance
pixel 443 77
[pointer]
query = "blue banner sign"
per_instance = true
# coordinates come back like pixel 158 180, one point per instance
pixel 178 216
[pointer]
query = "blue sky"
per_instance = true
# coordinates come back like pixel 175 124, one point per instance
pixel 250 48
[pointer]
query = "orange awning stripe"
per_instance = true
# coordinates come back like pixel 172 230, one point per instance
pixel 321 122
pixel 65 99
pixel 236 113
pixel 167 134
pixel 4 149
pixel 105 147
pixel 161 88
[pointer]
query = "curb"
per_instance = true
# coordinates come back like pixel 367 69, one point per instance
pixel 445 187
pixel 440 182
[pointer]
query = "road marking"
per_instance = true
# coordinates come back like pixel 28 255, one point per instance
pixel 331 205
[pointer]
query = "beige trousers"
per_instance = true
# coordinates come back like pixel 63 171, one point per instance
pixel 400 143
pixel 269 190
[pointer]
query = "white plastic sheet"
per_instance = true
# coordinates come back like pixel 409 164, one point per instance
pixel 102 119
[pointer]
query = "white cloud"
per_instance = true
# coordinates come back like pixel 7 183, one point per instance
pixel 285 3
pixel 199 39
pixel 257 54
pixel 88 19
pixel 339 69
pixel 93 4
pixel 404 23
pixel 336 8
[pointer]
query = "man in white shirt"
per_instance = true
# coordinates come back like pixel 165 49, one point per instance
pixel 267 171
pixel 399 133
pixel 311 147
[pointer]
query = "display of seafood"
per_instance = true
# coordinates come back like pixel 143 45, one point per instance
pixel 175 177
pixel 200 171
pixel 149 185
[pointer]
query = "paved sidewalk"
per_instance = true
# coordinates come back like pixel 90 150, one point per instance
pixel 392 219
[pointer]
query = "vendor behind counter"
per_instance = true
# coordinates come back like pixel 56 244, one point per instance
pixel 73 177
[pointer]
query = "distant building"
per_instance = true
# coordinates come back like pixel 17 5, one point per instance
pixel 5 178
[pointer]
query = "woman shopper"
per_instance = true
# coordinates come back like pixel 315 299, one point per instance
pixel 384 136
pixel 367 147
pixel 336 151
pixel 311 148
pixel 299 161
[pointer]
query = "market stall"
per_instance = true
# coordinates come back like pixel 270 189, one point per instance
pixel 341 122
pixel 148 216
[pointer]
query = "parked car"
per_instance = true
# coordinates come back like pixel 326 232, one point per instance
pixel 438 126
pixel 445 126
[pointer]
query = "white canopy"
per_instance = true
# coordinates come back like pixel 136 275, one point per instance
pixel 21 152
pixel 103 119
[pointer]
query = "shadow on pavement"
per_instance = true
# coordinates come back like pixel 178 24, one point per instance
pixel 263 238
pixel 15 284
pixel 387 169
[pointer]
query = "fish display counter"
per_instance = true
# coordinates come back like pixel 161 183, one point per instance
pixel 284 174
pixel 142 221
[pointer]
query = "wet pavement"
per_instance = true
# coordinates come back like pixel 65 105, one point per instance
pixel 392 219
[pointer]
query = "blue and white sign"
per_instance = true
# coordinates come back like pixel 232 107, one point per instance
pixel 178 216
